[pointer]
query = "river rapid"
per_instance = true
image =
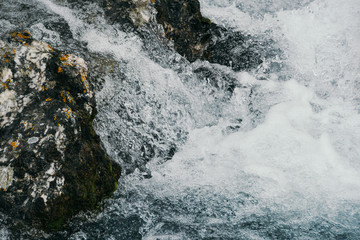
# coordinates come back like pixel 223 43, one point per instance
pixel 277 158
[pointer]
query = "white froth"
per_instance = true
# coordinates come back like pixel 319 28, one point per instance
pixel 298 161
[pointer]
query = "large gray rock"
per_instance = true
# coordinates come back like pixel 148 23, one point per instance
pixel 52 164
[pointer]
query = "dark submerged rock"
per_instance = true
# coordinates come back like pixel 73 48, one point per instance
pixel 52 164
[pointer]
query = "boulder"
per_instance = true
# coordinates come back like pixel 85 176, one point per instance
pixel 52 163
pixel 129 13
pixel 196 37
pixel 184 24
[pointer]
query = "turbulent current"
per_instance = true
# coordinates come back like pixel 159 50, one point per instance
pixel 277 158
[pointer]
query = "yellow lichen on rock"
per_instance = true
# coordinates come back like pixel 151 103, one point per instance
pixel 68 112
pixel 15 144
pixel 81 67
pixel 27 35
pixel 32 61
pixel 66 96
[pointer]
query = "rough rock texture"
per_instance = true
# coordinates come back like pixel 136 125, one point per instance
pixel 195 37
pixel 183 23
pixel 132 13
pixel 52 164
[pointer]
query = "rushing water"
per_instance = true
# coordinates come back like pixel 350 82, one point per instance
pixel 279 158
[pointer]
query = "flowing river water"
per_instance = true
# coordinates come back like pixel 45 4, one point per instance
pixel 277 158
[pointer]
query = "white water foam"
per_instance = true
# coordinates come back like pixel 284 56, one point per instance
pixel 297 168
pixel 302 163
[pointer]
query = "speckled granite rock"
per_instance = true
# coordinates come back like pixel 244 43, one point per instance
pixel 52 164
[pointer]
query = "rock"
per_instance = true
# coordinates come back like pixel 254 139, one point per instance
pixel 184 24
pixel 132 13
pixel 196 37
pixel 52 164
pixel 236 50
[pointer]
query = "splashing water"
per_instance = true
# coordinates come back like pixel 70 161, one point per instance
pixel 277 159
pixel 295 173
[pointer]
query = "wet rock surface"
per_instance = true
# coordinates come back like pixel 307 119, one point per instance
pixel 129 13
pixel 52 164
pixel 183 23
pixel 153 103
pixel 196 37
pixel 193 36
